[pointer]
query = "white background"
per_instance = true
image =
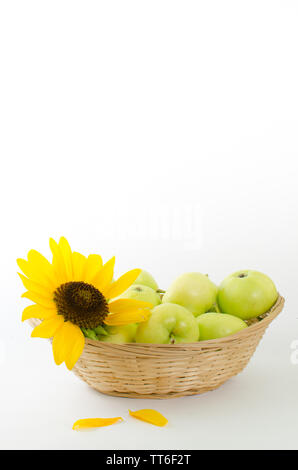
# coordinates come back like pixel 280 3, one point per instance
pixel 164 132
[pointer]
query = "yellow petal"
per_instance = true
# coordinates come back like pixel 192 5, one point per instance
pixel 67 257
pixel 36 311
pixel 127 304
pixel 127 313
pixel 79 263
pixel 124 318
pixel 38 269
pixel 95 422
pixel 48 327
pixel 58 262
pixel 93 266
pixel 68 344
pixel 122 284
pixel 76 342
pixel 105 275
pixel 35 287
pixel 150 416
pixel 38 299
pixel 34 257
pixel 41 267
pixel 60 345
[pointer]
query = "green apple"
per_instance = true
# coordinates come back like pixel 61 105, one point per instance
pixel 140 292
pixel 145 279
pixel 168 324
pixel 120 334
pixel 214 325
pixel 246 294
pixel 193 291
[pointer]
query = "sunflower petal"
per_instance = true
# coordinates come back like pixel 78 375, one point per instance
pixel 35 287
pixel 149 416
pixel 95 422
pixel 36 311
pixel 105 275
pixel 38 269
pixel 132 311
pixel 38 299
pixel 59 345
pixel 79 263
pixel 35 257
pixel 93 266
pixel 127 304
pixel 124 318
pixel 122 284
pixel 58 262
pixel 68 344
pixel 76 342
pixel 48 327
pixel 67 257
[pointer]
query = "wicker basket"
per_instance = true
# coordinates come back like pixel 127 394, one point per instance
pixel 137 370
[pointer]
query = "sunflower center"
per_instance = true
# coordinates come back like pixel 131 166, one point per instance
pixel 81 304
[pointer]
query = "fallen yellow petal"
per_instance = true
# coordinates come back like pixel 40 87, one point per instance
pixel 95 422
pixel 150 416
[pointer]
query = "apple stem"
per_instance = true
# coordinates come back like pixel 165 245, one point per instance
pixel 216 308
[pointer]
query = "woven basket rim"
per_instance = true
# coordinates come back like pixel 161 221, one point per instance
pixel 155 347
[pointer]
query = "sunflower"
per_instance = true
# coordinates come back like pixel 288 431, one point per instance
pixel 75 292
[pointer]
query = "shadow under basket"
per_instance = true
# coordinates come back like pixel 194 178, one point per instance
pixel 136 370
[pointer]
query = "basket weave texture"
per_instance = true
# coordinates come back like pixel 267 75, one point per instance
pixel 137 370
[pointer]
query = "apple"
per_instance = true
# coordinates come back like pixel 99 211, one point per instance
pixel 168 324
pixel 140 292
pixel 119 334
pixel 214 325
pixel 246 294
pixel 193 291
pixel 145 279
